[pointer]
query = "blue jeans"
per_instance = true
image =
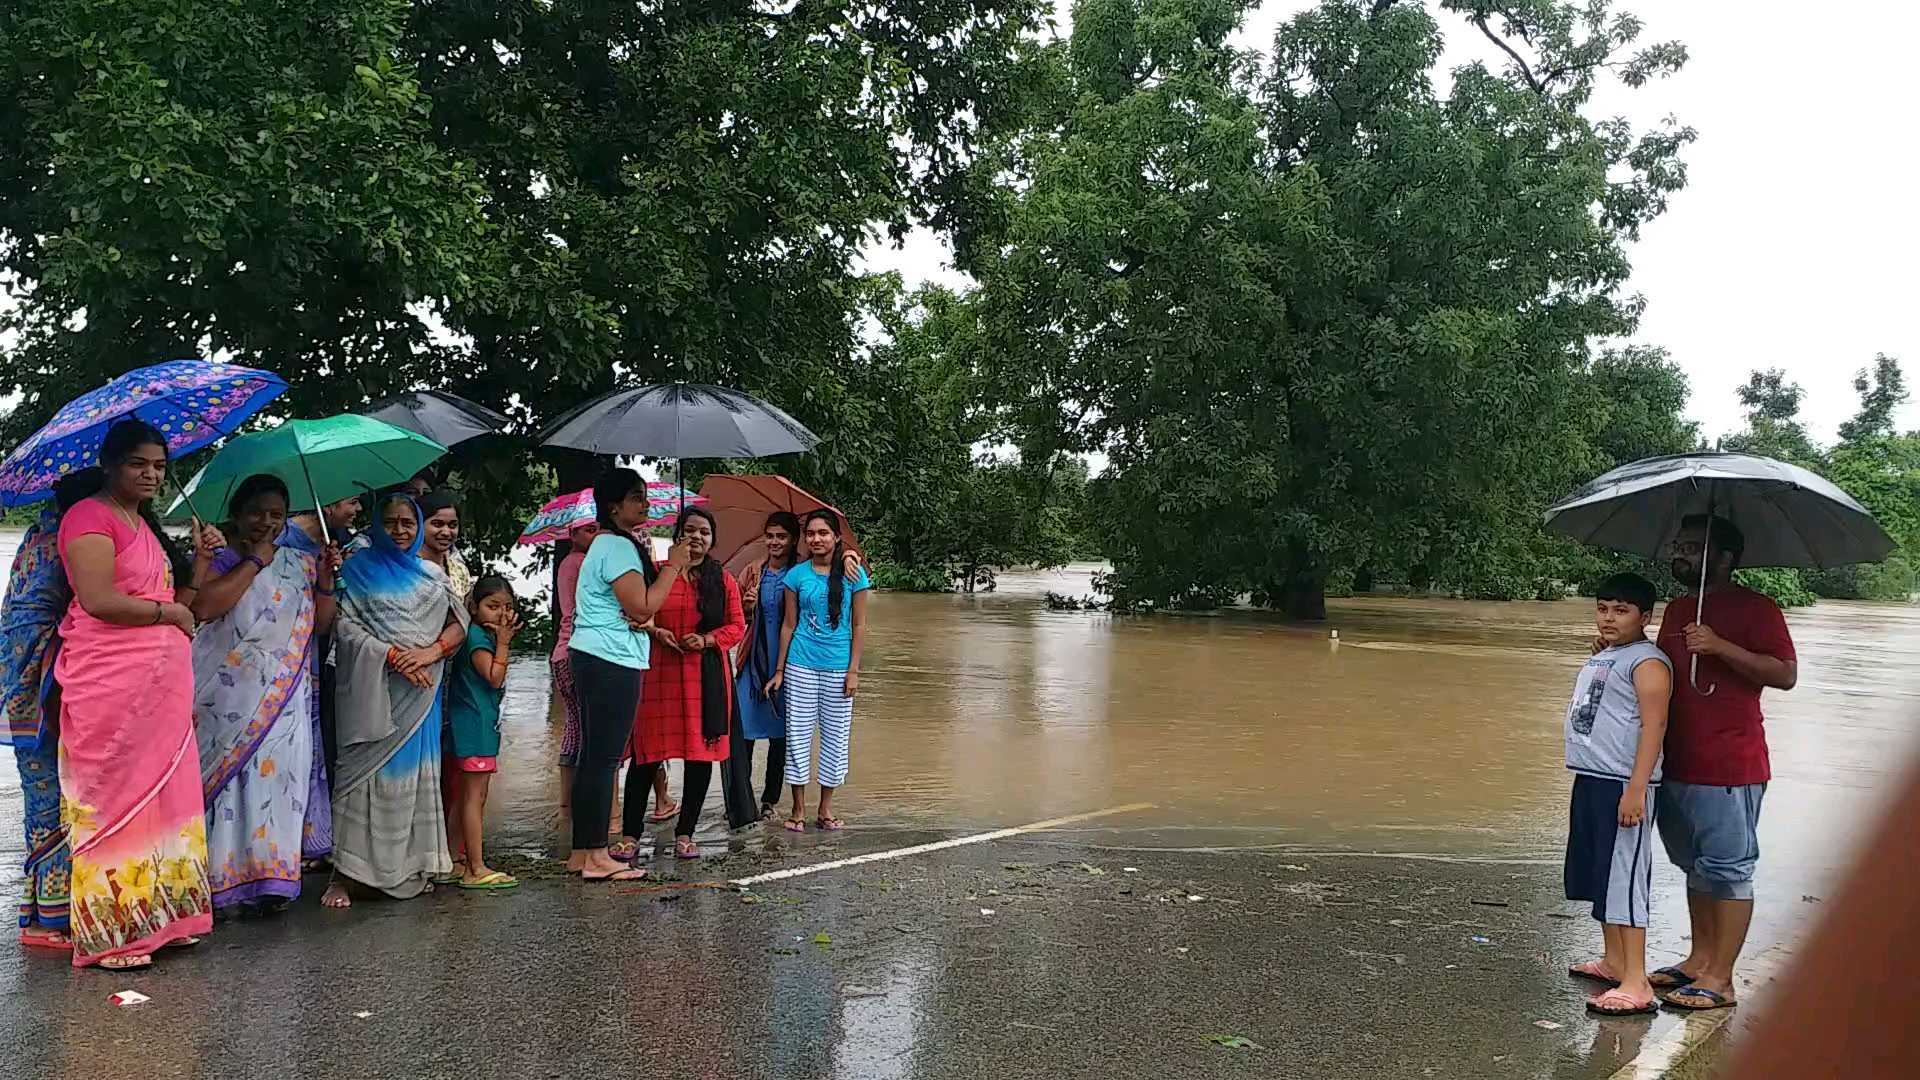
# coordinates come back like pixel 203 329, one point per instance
pixel 1712 831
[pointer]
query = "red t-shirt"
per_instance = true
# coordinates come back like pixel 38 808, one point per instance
pixel 1721 739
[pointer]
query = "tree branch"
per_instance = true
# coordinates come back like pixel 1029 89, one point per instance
pixel 1525 71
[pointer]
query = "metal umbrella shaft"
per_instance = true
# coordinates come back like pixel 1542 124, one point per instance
pixel 1700 602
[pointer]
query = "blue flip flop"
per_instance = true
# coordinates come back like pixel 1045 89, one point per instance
pixel 1680 978
pixel 1714 1001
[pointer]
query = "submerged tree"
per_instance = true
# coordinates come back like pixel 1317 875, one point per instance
pixel 1319 314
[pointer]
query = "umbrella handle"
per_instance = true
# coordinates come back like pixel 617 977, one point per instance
pixel 1693 677
pixel 319 511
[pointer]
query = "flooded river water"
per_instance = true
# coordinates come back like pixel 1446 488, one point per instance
pixel 1427 726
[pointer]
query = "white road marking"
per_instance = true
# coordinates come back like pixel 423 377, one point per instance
pixel 1668 1050
pixel 941 845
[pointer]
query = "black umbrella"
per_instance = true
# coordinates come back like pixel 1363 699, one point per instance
pixel 1789 516
pixel 680 420
pixel 445 418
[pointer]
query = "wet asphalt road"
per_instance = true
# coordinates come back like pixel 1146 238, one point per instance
pixel 1334 966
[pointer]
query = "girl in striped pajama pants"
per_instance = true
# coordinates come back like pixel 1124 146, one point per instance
pixel 821 635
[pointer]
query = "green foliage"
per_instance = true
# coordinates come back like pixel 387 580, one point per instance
pixel 1785 586
pixel 889 575
pixel 580 192
pixel 1319 316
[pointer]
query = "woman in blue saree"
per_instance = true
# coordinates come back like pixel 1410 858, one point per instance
pixel 36 600
pixel 270 599
pixel 396 628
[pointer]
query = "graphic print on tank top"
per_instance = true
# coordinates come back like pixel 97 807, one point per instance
pixel 1587 708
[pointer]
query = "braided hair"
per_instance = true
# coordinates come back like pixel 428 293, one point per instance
pixel 709 583
pixel 837 576
pixel 122 440
pixel 609 491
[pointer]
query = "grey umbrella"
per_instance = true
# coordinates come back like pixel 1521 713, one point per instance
pixel 1789 516
pixel 680 420
pixel 445 418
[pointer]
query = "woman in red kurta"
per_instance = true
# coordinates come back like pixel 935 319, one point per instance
pixel 686 703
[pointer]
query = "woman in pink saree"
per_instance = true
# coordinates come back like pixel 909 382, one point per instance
pixel 129 764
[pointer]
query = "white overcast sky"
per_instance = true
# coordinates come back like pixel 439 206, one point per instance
pixel 1792 245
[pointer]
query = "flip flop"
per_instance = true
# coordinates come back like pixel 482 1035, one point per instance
pixel 56 940
pixel 187 942
pixel 794 825
pixel 1714 1000
pixel 1673 976
pixel 1591 970
pixel 631 873
pixel 829 824
pixel 688 851
pixel 663 815
pixel 493 882
pixel 624 850
pixel 1617 1002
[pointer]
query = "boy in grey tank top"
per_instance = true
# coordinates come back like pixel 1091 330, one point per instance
pixel 1616 724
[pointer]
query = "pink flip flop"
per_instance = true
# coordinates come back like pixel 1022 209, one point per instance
pixel 665 814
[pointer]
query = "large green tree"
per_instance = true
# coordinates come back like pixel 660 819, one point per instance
pixel 1319 314
pixel 180 177
pixel 524 201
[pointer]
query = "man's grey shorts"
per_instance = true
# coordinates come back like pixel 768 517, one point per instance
pixel 1711 831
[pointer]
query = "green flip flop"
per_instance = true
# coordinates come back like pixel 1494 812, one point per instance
pixel 493 882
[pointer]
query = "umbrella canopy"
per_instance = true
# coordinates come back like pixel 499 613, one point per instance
pixel 561 516
pixel 320 461
pixel 680 420
pixel 1788 516
pixel 191 402
pixel 445 418
pixel 740 505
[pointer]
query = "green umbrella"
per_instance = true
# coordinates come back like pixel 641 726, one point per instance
pixel 320 461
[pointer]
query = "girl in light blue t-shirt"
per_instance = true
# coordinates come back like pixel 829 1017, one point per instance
pixel 819 665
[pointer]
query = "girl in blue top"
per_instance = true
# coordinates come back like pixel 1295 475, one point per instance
pixel 821 635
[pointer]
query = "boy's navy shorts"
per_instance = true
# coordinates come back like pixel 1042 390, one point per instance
pixel 1610 866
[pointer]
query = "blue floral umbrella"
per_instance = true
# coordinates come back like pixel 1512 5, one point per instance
pixel 191 402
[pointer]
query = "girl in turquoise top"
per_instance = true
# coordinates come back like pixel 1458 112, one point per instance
pixel 821 637
pixel 474 691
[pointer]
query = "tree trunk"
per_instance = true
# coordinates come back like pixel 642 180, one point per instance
pixel 1303 592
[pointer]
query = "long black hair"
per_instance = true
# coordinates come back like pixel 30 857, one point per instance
pixel 252 488
pixel 789 521
pixel 837 576
pixel 613 486
pixel 709 578
pixel 75 486
pixel 122 440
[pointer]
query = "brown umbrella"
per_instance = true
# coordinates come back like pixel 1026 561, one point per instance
pixel 740 505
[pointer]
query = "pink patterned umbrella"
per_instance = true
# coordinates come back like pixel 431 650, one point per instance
pixel 559 518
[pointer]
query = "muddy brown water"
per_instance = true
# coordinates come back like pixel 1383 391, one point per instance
pixel 1428 726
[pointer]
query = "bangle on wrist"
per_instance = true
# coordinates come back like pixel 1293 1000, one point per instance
pixel 319 591
pixel 258 563
pixel 159 612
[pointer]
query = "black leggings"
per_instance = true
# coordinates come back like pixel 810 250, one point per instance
pixel 695 778
pixel 609 700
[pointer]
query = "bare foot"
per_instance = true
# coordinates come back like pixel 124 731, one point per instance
pixel 336 896
pixel 126 963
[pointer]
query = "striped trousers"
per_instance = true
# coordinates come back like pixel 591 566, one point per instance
pixel 817 705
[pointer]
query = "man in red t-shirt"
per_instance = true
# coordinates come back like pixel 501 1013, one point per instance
pixel 1716 765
